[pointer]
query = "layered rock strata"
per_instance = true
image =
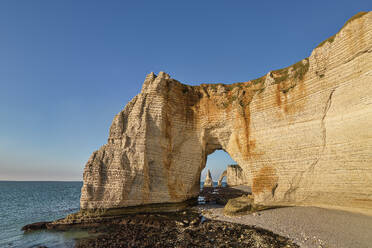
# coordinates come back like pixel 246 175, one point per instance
pixel 235 175
pixel 303 133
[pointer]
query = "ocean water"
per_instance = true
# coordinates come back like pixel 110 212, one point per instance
pixel 224 184
pixel 23 203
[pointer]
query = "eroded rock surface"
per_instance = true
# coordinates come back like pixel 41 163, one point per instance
pixel 224 174
pixel 186 229
pixel 303 133
pixel 208 182
pixel 235 175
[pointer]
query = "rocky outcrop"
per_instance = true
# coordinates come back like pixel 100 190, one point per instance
pixel 303 133
pixel 236 175
pixel 208 182
pixel 224 174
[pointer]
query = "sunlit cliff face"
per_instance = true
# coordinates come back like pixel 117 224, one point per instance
pixel 303 134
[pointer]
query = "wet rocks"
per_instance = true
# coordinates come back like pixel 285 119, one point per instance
pixel 35 226
pixel 178 229
pixel 181 230
pixel 221 195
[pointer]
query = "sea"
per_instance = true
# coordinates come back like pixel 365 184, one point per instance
pixel 23 203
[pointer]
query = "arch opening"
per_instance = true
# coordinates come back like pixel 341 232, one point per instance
pixel 217 163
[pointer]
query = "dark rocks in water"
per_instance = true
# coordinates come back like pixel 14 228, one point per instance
pixel 179 230
pixel 221 195
pixel 176 229
pixel 187 228
pixel 35 226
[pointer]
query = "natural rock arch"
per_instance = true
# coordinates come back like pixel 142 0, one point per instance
pixel 302 132
pixel 224 174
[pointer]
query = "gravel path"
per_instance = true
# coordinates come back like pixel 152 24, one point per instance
pixel 307 226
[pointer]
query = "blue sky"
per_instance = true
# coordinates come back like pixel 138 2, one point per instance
pixel 67 67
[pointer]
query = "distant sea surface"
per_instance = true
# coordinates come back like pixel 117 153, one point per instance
pixel 23 203
pixel 223 184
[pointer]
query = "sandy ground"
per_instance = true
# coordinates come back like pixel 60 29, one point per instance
pixel 307 226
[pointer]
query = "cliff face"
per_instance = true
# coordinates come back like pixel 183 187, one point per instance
pixel 303 133
pixel 235 175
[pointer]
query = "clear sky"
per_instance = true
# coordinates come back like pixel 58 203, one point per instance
pixel 67 67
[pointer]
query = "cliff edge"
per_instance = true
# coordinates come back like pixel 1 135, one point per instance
pixel 303 133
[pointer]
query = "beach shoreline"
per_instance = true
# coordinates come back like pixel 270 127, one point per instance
pixel 206 225
pixel 309 227
pixel 185 228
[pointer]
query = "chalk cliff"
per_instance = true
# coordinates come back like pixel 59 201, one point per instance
pixel 208 182
pixel 235 175
pixel 303 133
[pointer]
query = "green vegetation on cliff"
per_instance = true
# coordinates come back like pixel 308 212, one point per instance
pixel 299 70
pixel 332 38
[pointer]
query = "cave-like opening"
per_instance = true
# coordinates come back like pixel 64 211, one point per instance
pixel 217 163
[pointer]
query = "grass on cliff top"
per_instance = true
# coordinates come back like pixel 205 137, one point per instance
pixel 299 70
pixel 332 38
pixel 232 86
pixel 260 80
pixel 228 87
pixel 360 14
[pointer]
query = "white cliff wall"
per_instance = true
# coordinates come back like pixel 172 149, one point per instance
pixel 302 133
